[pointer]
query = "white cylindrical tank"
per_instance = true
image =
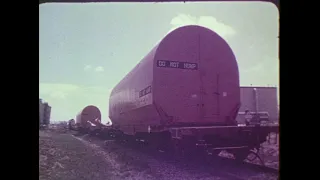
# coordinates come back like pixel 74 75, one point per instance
pixel 90 114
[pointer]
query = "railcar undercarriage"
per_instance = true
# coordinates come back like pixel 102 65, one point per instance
pixel 196 141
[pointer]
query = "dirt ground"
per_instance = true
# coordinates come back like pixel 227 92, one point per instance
pixel 63 156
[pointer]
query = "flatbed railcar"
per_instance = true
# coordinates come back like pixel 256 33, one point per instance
pixel 185 95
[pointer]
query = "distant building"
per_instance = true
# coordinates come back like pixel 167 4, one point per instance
pixel 44 113
pixel 41 111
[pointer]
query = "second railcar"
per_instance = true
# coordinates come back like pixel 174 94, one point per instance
pixel 87 117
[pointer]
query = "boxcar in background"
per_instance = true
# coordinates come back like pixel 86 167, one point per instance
pixel 44 113
pixel 41 111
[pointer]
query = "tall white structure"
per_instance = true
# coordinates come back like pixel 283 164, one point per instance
pixel 259 99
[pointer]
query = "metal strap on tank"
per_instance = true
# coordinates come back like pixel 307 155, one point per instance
pixel 256 97
pixel 164 117
pixel 234 112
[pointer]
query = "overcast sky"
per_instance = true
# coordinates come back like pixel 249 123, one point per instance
pixel 86 49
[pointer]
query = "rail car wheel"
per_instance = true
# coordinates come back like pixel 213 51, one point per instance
pixel 82 130
pixel 103 135
pixel 193 152
pixel 119 137
pixel 173 148
pixel 130 140
pixel 149 142
pixel 241 154
pixel 186 148
pixel 94 132
pixel 164 141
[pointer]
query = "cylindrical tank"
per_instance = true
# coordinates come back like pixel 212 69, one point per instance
pixel 190 78
pixel 90 114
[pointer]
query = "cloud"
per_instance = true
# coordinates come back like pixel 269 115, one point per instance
pixel 95 69
pixel 99 69
pixel 206 21
pixel 58 95
pixel 266 64
pixel 255 69
pixel 56 89
pixel 260 73
pixel 87 67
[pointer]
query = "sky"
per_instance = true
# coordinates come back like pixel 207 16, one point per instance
pixel 86 49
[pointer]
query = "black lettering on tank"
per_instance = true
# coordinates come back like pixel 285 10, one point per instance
pixel 162 63
pixel 177 64
pixel 174 64
pixel 145 91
